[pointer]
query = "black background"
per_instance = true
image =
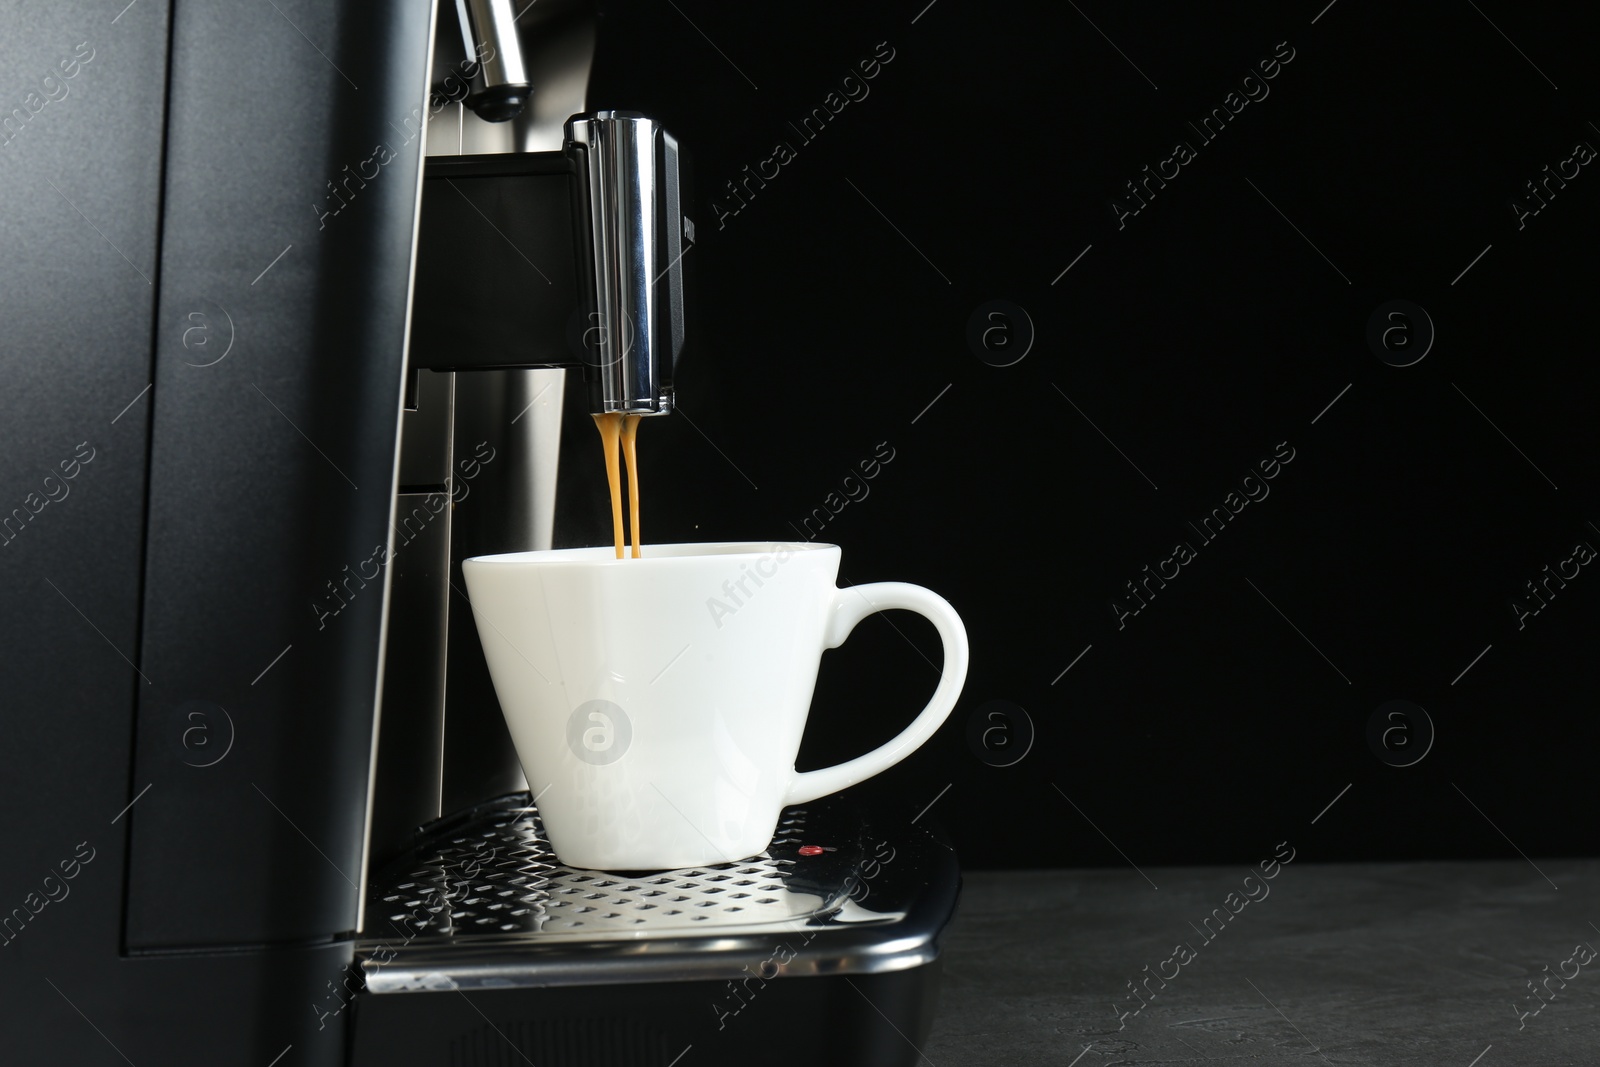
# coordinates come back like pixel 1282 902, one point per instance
pixel 1219 321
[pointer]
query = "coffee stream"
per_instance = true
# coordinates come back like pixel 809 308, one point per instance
pixel 618 433
pixel 630 434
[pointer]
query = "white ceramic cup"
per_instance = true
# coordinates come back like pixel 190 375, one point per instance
pixel 657 704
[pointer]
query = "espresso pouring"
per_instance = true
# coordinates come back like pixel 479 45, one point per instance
pixel 619 433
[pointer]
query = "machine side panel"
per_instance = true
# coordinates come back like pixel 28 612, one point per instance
pixel 293 147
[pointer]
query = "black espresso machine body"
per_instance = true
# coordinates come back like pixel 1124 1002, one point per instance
pixel 264 807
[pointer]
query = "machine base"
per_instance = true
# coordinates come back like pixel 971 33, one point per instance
pixel 823 947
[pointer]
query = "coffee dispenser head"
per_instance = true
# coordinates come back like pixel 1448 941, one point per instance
pixel 631 242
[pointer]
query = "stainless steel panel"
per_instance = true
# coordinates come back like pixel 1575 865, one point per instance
pixel 425 430
pixel 411 728
pixel 495 512
pixel 408 772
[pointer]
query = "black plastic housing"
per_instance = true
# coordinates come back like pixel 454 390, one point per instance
pixel 496 268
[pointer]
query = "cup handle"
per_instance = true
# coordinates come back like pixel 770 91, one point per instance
pixel 852 605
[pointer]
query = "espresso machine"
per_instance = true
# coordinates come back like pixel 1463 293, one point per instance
pixel 318 846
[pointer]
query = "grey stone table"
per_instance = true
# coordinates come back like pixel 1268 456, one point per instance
pixel 1392 964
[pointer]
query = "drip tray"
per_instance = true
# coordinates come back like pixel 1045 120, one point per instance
pixel 482 903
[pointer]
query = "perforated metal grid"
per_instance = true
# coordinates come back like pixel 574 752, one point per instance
pixel 499 877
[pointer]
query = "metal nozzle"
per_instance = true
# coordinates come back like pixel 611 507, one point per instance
pixel 489 32
pixel 631 243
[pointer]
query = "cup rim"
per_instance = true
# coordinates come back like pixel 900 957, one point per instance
pixel 680 554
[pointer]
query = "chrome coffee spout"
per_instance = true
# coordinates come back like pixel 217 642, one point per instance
pixel 632 236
